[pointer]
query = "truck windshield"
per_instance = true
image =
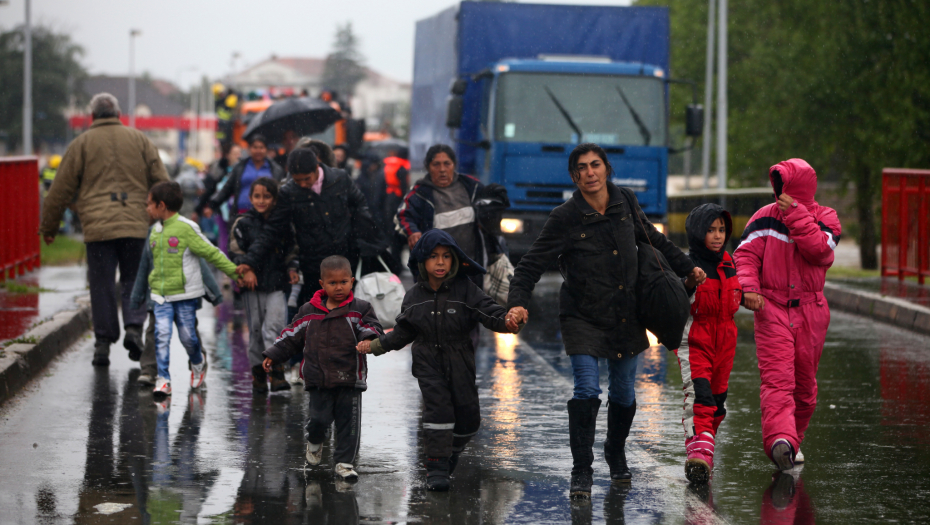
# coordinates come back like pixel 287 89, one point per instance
pixel 547 107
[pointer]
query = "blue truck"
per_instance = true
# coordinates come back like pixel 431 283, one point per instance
pixel 514 87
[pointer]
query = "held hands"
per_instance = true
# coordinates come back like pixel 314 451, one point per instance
pixel 696 277
pixel 267 364
pixel 364 347
pixel 754 301
pixel 413 238
pixel 515 317
pixel 784 202
pixel 248 280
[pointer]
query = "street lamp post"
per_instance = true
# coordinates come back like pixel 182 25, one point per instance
pixel 27 83
pixel 133 33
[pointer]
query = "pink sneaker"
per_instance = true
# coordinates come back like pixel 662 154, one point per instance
pixel 700 461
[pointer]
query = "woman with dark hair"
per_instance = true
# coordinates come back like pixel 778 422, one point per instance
pixel 242 176
pixel 593 237
pixel 444 199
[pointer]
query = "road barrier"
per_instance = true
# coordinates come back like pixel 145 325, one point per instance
pixel 19 216
pixel 905 223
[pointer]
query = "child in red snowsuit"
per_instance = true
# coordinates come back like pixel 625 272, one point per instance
pixel 782 261
pixel 706 354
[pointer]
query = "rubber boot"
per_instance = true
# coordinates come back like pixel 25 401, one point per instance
pixel 132 341
pixel 582 419
pixel 259 379
pixel 437 474
pixel 278 382
pixel 101 353
pixel 619 419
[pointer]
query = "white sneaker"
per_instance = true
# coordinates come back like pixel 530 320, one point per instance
pixel 346 471
pixel 314 453
pixel 294 376
pixel 162 386
pixel 198 373
pixel 799 457
pixel 783 454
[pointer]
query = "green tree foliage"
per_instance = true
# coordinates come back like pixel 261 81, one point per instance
pixel 344 67
pixel 56 76
pixel 844 84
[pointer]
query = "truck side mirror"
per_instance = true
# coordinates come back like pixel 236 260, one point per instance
pixel 455 108
pixel 459 86
pixel 694 120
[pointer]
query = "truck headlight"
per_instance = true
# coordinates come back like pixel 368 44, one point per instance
pixel 659 226
pixel 512 225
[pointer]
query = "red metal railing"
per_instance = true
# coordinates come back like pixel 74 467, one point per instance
pixel 19 215
pixel 906 223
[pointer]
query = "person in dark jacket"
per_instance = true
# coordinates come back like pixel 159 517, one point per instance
pixel 326 331
pixel 327 212
pixel 242 175
pixel 707 351
pixel 445 199
pixel 266 299
pixel 593 238
pixel 438 316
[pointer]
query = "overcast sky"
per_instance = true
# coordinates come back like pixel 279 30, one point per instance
pixel 180 36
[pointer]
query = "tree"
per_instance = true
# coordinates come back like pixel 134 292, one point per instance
pixel 344 67
pixel 57 75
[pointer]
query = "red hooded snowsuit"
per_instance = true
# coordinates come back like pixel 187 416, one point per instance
pixel 785 256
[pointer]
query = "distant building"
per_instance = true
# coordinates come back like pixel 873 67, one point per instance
pixel 379 100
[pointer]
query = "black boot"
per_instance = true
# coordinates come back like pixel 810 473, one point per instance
pixel 437 474
pixel 453 461
pixel 582 418
pixel 619 419
pixel 278 382
pixel 259 379
pixel 101 353
pixel 132 341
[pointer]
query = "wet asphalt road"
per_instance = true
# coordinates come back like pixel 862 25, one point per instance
pixel 88 446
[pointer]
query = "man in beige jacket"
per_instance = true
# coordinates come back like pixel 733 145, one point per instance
pixel 106 174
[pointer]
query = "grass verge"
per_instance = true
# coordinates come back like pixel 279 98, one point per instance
pixel 63 252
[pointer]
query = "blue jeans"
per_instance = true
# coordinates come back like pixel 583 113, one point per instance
pixel 184 314
pixel 621 376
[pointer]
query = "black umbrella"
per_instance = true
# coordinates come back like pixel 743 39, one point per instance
pixel 303 116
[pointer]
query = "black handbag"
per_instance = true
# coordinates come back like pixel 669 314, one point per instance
pixel 662 302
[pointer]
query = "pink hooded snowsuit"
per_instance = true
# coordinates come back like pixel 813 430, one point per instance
pixel 785 256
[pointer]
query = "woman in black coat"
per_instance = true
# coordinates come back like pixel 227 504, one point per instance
pixel 593 238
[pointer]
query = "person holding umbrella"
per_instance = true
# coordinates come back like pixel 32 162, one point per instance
pixel 243 175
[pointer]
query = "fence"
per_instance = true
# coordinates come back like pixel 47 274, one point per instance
pixel 19 216
pixel 905 223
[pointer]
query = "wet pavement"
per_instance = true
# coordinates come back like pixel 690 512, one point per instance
pixel 47 291
pixel 88 446
pixel 908 290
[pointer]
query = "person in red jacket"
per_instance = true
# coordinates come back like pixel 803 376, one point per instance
pixel 706 354
pixel 782 262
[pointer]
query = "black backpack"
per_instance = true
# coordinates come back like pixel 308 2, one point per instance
pixel 661 299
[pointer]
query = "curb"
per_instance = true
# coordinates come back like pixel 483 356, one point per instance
pixel 880 307
pixel 23 362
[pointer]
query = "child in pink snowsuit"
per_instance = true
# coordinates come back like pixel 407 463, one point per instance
pixel 782 261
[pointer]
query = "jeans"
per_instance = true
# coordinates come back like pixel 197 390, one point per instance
pixel 621 376
pixel 184 314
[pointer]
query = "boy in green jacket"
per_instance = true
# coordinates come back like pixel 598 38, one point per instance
pixel 175 280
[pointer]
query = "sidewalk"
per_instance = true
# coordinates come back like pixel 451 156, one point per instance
pixel 41 314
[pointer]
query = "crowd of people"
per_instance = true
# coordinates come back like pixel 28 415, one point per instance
pixel 292 238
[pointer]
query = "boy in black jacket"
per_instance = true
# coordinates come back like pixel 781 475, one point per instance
pixel 438 316
pixel 326 330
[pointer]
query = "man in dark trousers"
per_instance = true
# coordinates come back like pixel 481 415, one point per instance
pixel 108 170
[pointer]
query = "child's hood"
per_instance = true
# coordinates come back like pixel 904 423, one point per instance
pixel 319 300
pixel 696 225
pixel 796 178
pixel 428 242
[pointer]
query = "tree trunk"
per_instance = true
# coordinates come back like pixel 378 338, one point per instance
pixel 865 208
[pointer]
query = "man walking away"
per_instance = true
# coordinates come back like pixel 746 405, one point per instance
pixel 108 171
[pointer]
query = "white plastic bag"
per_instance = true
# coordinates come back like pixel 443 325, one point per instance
pixel 497 280
pixel 383 290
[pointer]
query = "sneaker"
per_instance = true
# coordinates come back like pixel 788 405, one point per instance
pixel 314 453
pixel 799 457
pixel 146 379
pixel 346 472
pixel 162 387
pixel 700 462
pixel 132 341
pixel 783 454
pixel 198 373
pixel 294 376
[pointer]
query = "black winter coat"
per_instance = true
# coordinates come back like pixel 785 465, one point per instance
pixel 234 183
pixel 272 270
pixel 330 223
pixel 439 324
pixel 597 257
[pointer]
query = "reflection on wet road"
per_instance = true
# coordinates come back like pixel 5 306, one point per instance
pixel 88 446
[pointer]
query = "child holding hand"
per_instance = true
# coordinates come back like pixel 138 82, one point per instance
pixel 438 316
pixel 326 330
